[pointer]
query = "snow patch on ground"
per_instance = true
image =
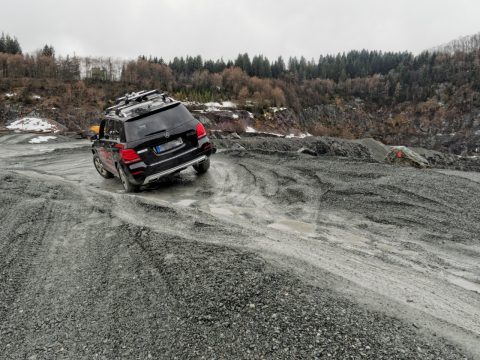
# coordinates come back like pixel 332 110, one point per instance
pixel 191 103
pixel 9 95
pixel 274 134
pixel 36 97
pixel 216 106
pixel 301 136
pixel 32 124
pixel 275 109
pixel 41 139
pixel 251 130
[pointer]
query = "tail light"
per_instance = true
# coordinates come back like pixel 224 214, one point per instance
pixel 129 156
pixel 201 132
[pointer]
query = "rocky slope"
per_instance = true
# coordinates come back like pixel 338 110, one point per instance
pixel 429 125
pixel 432 125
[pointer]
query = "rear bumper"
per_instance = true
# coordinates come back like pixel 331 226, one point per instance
pixel 141 173
pixel 156 176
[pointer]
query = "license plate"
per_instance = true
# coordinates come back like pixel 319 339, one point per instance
pixel 167 146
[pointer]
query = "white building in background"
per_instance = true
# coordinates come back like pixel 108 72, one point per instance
pixel 103 68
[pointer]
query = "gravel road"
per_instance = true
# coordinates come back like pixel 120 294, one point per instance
pixel 271 254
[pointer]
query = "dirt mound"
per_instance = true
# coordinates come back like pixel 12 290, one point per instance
pixel 369 150
pixel 377 149
pixel 316 145
pixel 441 160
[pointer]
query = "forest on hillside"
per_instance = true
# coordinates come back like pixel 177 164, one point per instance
pixel 374 76
pixel 395 97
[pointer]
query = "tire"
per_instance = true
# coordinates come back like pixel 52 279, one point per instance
pixel 202 168
pixel 127 185
pixel 100 169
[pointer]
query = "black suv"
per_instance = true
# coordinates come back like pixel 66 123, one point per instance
pixel 147 135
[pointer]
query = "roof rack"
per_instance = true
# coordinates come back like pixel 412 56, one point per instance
pixel 135 99
pixel 134 96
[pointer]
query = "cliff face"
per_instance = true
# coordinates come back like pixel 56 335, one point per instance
pixel 431 124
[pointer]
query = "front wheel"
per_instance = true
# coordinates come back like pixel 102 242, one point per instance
pixel 202 168
pixel 100 169
pixel 127 185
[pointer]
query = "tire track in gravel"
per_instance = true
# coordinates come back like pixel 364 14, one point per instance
pixel 390 273
pixel 101 287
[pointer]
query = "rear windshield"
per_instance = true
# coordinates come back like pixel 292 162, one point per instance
pixel 156 123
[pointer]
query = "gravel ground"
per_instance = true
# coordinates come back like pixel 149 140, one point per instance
pixel 269 255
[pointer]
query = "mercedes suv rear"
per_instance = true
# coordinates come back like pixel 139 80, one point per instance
pixel 148 135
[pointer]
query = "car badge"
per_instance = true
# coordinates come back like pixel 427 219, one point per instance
pixel 167 134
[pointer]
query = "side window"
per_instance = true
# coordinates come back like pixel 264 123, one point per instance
pixel 108 129
pixel 101 130
pixel 115 131
pixel 110 132
pixel 121 131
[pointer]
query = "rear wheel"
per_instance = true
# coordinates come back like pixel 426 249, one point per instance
pixel 127 185
pixel 99 166
pixel 202 168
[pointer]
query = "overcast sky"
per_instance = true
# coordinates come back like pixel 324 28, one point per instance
pixel 224 28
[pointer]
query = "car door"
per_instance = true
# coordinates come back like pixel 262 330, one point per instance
pixel 114 138
pixel 105 144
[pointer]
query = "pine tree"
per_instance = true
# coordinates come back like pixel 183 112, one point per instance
pixel 48 51
pixel 9 45
pixel 278 68
pixel 2 43
pixel 243 62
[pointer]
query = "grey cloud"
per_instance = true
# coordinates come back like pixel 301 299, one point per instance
pixel 224 28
